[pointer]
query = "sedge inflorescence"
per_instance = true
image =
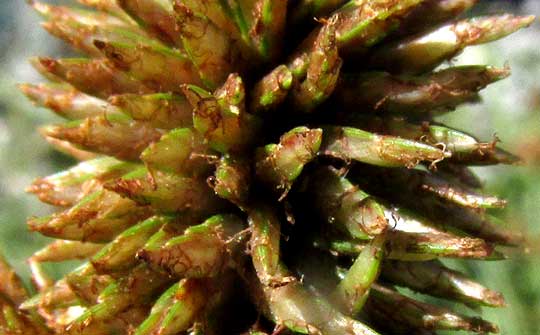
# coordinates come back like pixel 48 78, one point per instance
pixel 248 169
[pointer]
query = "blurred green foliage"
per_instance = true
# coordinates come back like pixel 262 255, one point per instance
pixel 511 107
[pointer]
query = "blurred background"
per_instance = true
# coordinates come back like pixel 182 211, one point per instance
pixel 511 108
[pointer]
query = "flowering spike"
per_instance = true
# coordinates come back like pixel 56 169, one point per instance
pixel 264 243
pixel 464 148
pixel 285 300
pixel 186 95
pixel 384 181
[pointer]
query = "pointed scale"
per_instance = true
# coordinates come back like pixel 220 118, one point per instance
pixel 95 77
pixel 120 324
pixel 285 300
pixel 278 165
pixel 271 90
pixel 63 250
pixel 57 296
pixel 427 184
pixel 431 13
pixel 305 10
pixel 119 255
pixel 114 135
pixel 322 72
pixel 81 27
pixel 209 48
pixel 268 27
pixel 344 206
pixel 221 117
pixel 58 251
pixel 202 251
pixel 423 53
pixel 382 182
pixel 67 187
pixel 179 151
pixel 435 279
pixel 217 11
pixel 161 110
pixel 433 93
pixel 406 246
pixel 354 144
pixel 465 148
pixel 137 288
pixel 167 192
pixel 66 101
pixel 70 149
pixel 232 180
pixel 177 308
pixel 361 24
pixel 108 6
pixel 155 16
pixel 353 289
pixel 86 283
pixel 422 315
pixel 358 25
pixel 145 63
pixel 98 217
pixel 12 321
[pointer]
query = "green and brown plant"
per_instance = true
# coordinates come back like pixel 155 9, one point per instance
pixel 248 169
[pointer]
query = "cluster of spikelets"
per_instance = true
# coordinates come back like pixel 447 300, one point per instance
pixel 191 222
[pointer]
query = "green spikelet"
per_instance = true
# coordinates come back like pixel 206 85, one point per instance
pixel 219 140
